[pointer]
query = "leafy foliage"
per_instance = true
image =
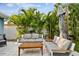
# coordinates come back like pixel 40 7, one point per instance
pixel 51 24
pixel 32 18
pixel 74 23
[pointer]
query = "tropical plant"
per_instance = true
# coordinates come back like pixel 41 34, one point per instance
pixel 74 23
pixel 27 19
pixel 73 17
pixel 18 20
pixel 51 23
pixel 35 19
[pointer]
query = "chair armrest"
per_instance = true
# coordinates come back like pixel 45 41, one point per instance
pixel 4 37
pixel 72 47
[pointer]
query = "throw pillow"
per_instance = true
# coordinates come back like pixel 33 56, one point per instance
pixel 67 44
pixel 61 42
pixel 56 39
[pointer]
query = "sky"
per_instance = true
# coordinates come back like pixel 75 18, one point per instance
pixel 14 8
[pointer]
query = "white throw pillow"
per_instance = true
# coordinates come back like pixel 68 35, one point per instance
pixel 67 44
pixel 61 42
pixel 56 39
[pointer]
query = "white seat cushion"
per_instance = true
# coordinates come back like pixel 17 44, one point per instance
pixel 27 36
pixel 55 37
pixel 2 40
pixel 56 40
pixel 51 46
pixel 61 42
pixel 30 40
pixel 67 44
pixel 35 36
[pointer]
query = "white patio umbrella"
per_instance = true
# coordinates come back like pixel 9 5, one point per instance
pixel 62 26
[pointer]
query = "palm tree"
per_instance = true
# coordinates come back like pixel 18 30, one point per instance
pixel 35 19
pixel 30 16
pixel 51 22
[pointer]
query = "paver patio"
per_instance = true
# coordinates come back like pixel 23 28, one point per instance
pixel 11 50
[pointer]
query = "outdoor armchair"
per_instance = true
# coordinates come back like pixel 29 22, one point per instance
pixel 3 40
pixel 59 46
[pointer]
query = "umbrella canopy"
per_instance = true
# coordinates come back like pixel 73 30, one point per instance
pixel 62 26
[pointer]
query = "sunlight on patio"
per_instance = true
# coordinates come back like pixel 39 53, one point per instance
pixel 12 50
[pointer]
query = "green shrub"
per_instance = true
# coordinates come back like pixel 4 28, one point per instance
pixel 76 45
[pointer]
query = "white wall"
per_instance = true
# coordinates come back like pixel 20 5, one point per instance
pixel 10 32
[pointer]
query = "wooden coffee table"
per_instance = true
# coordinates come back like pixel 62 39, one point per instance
pixel 30 45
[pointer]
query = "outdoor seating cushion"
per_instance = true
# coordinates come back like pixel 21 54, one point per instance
pixel 67 44
pixel 60 43
pixel 41 36
pixel 64 43
pixel 56 39
pixel 2 40
pixel 31 37
pixel 30 40
pixel 50 45
pixel 35 36
pixel 26 36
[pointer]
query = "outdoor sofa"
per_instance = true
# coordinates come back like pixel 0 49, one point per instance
pixel 3 40
pixel 59 47
pixel 31 37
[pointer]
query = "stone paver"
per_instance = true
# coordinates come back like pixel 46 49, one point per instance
pixel 11 50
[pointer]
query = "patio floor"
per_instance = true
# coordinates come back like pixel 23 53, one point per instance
pixel 11 50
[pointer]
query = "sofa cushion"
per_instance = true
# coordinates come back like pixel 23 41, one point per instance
pixel 56 40
pixel 2 40
pixel 51 46
pixel 30 37
pixel 61 42
pixel 67 44
pixel 27 36
pixel 35 36
pixel 55 37
pixel 40 36
pixel 30 40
